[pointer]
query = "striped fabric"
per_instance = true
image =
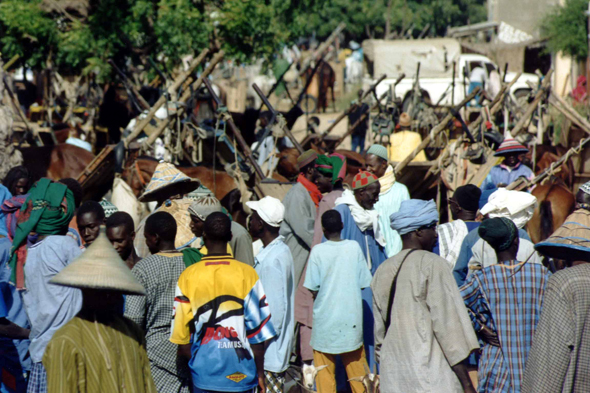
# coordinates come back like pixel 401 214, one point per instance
pixel 506 298
pixel 510 145
pixel 450 239
pixel 92 357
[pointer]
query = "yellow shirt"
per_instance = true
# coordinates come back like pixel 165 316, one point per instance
pixel 403 143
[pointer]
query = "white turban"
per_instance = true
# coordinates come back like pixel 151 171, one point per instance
pixel 518 206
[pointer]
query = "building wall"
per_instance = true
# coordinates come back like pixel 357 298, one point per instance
pixel 526 15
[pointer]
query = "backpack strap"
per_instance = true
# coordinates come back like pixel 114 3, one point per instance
pixel 392 292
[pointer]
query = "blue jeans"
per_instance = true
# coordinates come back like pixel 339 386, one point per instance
pixel 358 141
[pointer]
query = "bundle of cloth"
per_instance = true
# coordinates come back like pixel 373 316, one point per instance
pixel 518 206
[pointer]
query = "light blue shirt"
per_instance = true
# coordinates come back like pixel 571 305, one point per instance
pixel 49 306
pixel 502 174
pixel 274 265
pixel 338 271
pixel 14 354
pixel 388 204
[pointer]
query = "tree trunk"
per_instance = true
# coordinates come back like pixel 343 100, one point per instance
pixel 388 19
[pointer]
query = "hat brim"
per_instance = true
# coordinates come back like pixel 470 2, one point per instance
pixel 182 187
pixel 505 152
pixel 561 251
pixel 82 284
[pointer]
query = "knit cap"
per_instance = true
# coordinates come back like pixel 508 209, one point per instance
pixel 379 151
pixel 363 179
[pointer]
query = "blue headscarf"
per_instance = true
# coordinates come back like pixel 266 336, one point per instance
pixel 414 214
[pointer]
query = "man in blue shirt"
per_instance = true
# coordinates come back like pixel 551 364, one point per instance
pixel 274 265
pixel 15 362
pixel 511 168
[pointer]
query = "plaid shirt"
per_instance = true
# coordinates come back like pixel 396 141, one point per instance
pixel 506 298
pixel 159 274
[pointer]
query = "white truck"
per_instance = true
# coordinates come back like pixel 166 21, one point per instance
pixel 436 57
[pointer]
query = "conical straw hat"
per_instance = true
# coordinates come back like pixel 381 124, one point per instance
pixel 99 267
pixel 571 241
pixel 168 181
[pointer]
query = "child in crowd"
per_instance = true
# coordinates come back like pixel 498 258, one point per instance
pixel 336 274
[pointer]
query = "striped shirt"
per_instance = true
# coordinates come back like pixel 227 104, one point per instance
pixel 222 301
pixel 506 298
pixel 92 357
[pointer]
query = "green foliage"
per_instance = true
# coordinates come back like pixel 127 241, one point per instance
pixel 131 30
pixel 567 29
pixel 26 31
pixel 250 29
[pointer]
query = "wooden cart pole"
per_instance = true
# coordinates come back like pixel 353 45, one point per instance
pixel 352 127
pixel 522 183
pixel 319 53
pixel 433 133
pixel 184 98
pixel 495 106
pixel 583 125
pixel 237 134
pixel 172 89
pixel 519 127
pixel 579 119
pixel 347 112
pixel 274 112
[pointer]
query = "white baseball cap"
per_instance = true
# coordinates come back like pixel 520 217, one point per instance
pixel 270 209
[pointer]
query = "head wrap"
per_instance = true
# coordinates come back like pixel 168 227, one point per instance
pixel 363 179
pixel 585 187
pixel 379 151
pixel 333 165
pixel 48 210
pixel 306 158
pixel 204 206
pixel 467 197
pixel 414 214
pixel 498 232
pixel 518 206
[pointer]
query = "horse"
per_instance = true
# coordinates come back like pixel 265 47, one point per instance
pixel 545 156
pixel 326 80
pixel 56 162
pixel 138 173
pixel 555 203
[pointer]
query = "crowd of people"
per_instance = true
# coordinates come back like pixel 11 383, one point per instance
pixel 354 280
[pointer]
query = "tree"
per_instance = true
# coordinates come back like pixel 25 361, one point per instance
pixel 81 41
pixel 567 29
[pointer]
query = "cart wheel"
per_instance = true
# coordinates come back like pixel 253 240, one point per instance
pixel 309 104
